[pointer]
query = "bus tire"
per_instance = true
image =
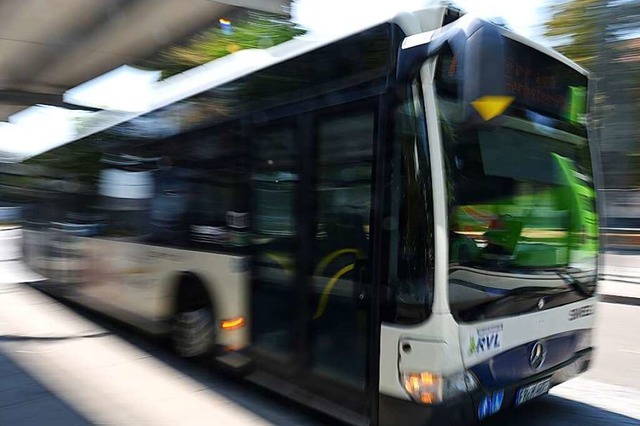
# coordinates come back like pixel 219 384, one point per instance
pixel 193 330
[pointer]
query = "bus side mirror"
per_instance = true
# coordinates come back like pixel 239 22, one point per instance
pixel 481 86
pixel 476 55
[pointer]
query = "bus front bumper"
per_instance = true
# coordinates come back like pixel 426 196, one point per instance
pixel 482 403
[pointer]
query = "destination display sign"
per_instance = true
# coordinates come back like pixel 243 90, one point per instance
pixel 531 79
pixel 542 83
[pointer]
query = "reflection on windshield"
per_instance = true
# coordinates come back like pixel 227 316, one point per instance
pixel 521 209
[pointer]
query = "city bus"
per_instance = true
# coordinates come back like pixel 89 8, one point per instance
pixel 395 226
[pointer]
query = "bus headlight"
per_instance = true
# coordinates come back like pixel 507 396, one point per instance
pixel 429 388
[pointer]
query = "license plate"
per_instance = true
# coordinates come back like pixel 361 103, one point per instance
pixel 532 391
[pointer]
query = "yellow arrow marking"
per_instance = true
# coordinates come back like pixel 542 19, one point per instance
pixel 492 106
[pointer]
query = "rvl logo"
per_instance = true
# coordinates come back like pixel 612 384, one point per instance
pixel 487 339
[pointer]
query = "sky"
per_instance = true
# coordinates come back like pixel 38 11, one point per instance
pixel 331 16
pixel 523 16
pixel 39 128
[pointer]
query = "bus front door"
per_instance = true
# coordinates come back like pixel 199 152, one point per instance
pixel 339 283
pixel 312 193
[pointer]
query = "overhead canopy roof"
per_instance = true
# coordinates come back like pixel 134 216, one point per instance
pixel 48 47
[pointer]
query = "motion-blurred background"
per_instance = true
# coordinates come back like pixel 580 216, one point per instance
pixel 63 63
pixel 62 60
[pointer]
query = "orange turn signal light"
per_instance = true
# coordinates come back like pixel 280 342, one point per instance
pixel 233 323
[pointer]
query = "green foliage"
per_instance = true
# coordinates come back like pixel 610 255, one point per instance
pixel 586 30
pixel 79 160
pixel 577 29
pixel 258 31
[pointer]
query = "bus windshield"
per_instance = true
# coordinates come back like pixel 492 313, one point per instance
pixel 521 211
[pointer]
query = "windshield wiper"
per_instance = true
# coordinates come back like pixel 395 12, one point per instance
pixel 574 283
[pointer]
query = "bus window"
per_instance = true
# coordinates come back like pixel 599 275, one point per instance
pixel 345 145
pixel 200 183
pixel 274 228
pixel 218 180
pixel 410 224
pixel 125 189
pixel 520 193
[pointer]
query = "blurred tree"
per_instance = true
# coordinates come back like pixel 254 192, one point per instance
pixel 629 56
pixel 577 30
pixel 255 31
pixel 604 37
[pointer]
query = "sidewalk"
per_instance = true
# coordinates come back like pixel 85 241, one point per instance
pixel 23 400
pixel 57 368
pixel 619 292
pixel 620 279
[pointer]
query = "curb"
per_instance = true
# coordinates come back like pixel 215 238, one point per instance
pixel 619 300
pixel 620 278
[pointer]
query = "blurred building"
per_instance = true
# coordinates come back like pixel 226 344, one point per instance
pixel 620 81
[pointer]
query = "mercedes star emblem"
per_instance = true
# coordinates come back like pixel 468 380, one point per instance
pixel 537 356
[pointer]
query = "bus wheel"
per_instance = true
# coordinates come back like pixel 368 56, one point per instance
pixel 193 327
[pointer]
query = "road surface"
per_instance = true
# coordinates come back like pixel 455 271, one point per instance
pixel 608 394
